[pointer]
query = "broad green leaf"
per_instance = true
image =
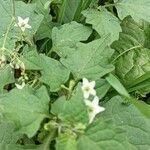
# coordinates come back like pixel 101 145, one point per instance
pixel 132 58
pixel 53 73
pixel 90 60
pixel 142 106
pixel 45 29
pixel 134 123
pixel 128 129
pixel 7 133
pixel 103 22
pixel 31 58
pixel 9 34
pixel 73 110
pixel 26 108
pixel 66 142
pixel 143 88
pixel 103 135
pixel 138 9
pixel 28 10
pixel 70 9
pixel 68 35
pixel 6 77
pixel 102 87
pixel 116 84
pixel 141 84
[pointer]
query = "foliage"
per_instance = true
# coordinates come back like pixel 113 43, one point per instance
pixel 52 52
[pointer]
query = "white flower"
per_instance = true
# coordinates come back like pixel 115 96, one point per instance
pixel 23 23
pixel 88 88
pixel 94 108
pixel 17 64
pixel 2 61
pixel 20 86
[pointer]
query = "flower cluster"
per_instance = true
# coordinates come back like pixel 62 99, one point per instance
pixel 17 64
pixel 93 106
pixel 2 61
pixel 21 81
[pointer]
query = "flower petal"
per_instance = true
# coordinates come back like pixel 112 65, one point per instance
pixel 85 81
pixel 95 101
pixel 20 86
pixel 86 94
pixel 92 84
pixel 27 26
pixel 99 109
pixel 88 102
pixel 20 19
pixel 26 20
pixel 91 117
pixel 93 92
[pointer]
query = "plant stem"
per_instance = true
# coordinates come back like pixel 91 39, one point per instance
pixel 49 139
pixel 81 7
pixel 78 11
pixel 62 12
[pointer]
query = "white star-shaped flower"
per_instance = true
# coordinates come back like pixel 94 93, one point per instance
pixel 94 108
pixel 88 88
pixel 20 87
pixel 23 23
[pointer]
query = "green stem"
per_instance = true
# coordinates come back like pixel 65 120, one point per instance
pixel 64 87
pixel 49 139
pixel 86 4
pixel 62 12
pixel 78 11
pixel 81 7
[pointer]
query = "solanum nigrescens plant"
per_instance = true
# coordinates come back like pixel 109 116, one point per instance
pixel 74 74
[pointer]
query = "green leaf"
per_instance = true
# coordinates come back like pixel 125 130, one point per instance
pixel 132 58
pixel 103 22
pixel 45 29
pixel 6 77
pixel 9 34
pixel 102 87
pixel 73 110
pixel 18 147
pixel 134 123
pixel 143 88
pixel 28 10
pixel 70 10
pixel 68 35
pixel 7 133
pixel 138 9
pixel 142 106
pixel 66 142
pixel 31 58
pixel 53 73
pixel 103 135
pixel 26 108
pixel 119 127
pixel 141 84
pixel 116 84
pixel 90 60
